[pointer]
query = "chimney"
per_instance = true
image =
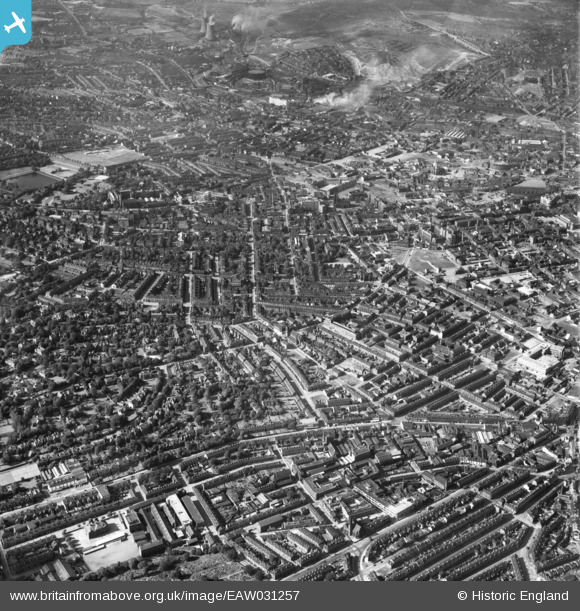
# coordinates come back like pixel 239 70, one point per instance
pixel 209 35
pixel 204 18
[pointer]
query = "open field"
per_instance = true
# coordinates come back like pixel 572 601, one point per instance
pixel 424 260
pixel 114 550
pixel 112 553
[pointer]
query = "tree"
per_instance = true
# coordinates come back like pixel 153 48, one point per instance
pixel 168 562
pixel 250 570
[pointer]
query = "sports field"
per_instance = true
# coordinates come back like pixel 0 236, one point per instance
pixel 426 261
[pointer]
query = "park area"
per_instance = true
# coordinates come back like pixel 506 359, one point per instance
pixel 182 564
pixel 425 261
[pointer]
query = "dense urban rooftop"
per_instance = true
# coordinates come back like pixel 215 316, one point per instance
pixel 288 292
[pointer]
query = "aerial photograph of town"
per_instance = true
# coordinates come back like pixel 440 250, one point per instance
pixel 290 291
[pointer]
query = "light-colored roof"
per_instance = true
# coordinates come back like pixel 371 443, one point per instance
pixel 532 183
pixel 105 157
pixel 13 476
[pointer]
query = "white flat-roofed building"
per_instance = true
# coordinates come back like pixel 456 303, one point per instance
pixel 18 474
pixel 539 367
pixel 277 101
pixel 401 508
pixel 176 505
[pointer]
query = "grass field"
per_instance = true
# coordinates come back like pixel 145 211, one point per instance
pixel 422 260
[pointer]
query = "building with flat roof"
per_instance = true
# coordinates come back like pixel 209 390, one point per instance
pixel 193 511
pixel 101 158
pixel 539 367
pixel 529 188
pixel 176 505
pixel 18 474
pixel 133 521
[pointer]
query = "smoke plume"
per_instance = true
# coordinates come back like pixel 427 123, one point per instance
pixel 250 20
pixel 349 100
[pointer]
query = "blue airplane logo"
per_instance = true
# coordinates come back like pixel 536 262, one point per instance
pixel 15 22
pixel 18 23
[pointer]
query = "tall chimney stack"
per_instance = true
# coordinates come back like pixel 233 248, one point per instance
pixel 203 27
pixel 209 34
